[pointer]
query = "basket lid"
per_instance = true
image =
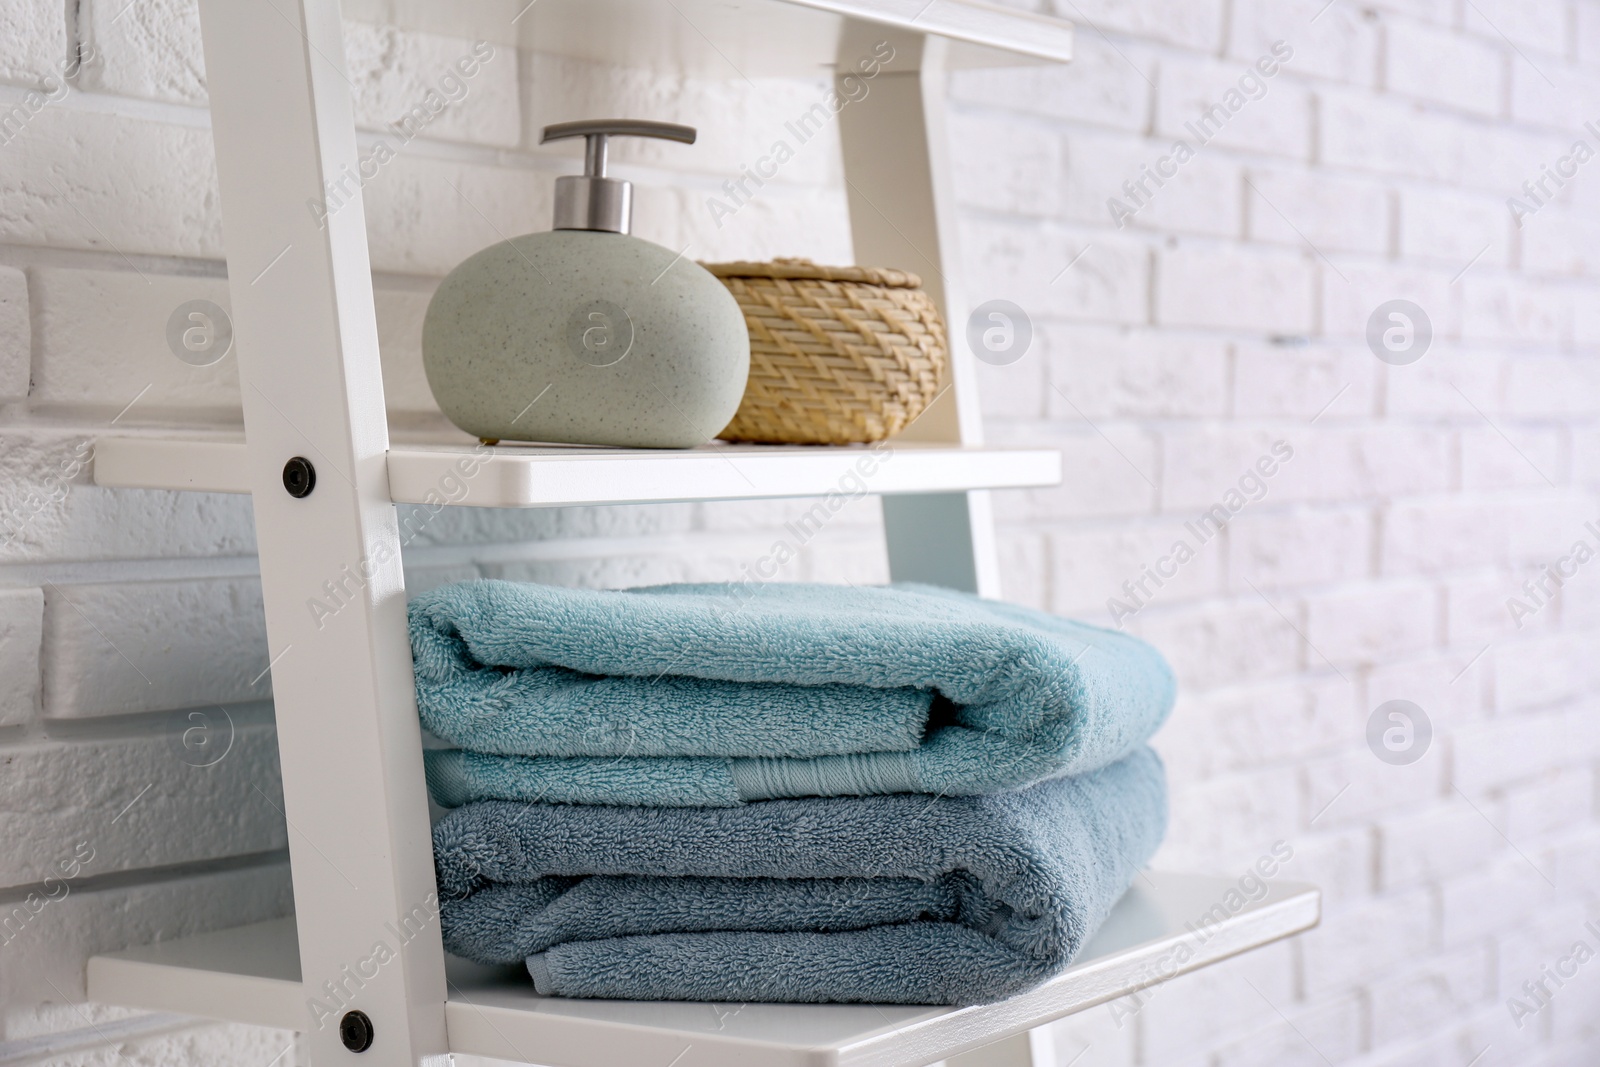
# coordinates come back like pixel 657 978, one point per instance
pixel 804 268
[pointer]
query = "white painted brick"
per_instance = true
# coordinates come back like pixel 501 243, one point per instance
pixel 1367 941
pixel 1118 179
pixel 33 43
pixel 1578 858
pixel 1561 798
pixel 1430 993
pixel 1560 241
pixel 16 335
pixel 1018 391
pixel 1503 309
pixel 47 963
pixel 1327 212
pixel 1450 686
pixel 1435 534
pixel 1222 643
pixel 1547 522
pixel 1338 862
pixel 1354 292
pixel 1536 24
pixel 1278 549
pixel 1257 725
pixel 1454 228
pixel 1228 288
pixel 113 649
pixel 1511 456
pixel 1212 104
pixel 1450 381
pixel 1090 568
pixel 126 798
pixel 1201 466
pixel 1341 44
pixel 1444 67
pixel 1208 1006
pixel 1195 25
pixel 1543 671
pixel 1223 825
pixel 1005 163
pixel 1587 18
pixel 1553 94
pixel 1304 381
pixel 1477 612
pixel 1389 136
pixel 1100 374
pixel 1505 751
pixel 1370 623
pixel 1356 788
pixel 1024 569
pixel 1109 475
pixel 21 633
pixel 1433 844
pixel 1477 905
pixel 1306 1036
pixel 1106 84
pixel 102 339
pixel 1080 276
pixel 1386 460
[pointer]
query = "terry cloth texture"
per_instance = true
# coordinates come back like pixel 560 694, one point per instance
pixel 890 899
pixel 720 694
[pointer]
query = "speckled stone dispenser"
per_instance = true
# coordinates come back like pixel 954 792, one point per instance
pixel 585 334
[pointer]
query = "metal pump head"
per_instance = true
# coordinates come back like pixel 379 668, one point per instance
pixel 592 201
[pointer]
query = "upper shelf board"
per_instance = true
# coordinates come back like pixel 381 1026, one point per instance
pixel 514 476
pixel 737 39
pixel 1167 924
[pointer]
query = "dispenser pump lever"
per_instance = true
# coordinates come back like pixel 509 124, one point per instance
pixel 592 201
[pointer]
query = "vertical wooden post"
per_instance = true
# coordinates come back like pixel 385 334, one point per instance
pixel 902 214
pixel 301 290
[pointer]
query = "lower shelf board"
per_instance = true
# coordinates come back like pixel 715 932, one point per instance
pixel 1166 925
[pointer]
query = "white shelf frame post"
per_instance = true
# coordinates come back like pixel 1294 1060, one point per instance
pixel 902 214
pixel 348 735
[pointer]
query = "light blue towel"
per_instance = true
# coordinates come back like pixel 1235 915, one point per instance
pixel 719 694
pixel 893 899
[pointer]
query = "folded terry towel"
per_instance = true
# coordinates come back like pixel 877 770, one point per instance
pixel 718 694
pixel 891 899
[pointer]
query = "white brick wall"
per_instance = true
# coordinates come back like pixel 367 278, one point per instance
pixel 1230 313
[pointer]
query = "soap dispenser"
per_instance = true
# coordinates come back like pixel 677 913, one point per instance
pixel 586 334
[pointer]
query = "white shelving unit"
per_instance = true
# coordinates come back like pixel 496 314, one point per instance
pixel 348 734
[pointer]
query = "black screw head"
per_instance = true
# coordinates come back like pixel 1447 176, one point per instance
pixel 299 477
pixel 355 1030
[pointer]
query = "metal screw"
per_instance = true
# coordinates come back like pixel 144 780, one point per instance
pixel 355 1030
pixel 299 478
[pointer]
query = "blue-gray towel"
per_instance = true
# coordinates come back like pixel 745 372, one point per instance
pixel 712 695
pixel 891 899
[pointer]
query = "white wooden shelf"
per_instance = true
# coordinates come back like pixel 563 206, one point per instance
pixel 252 975
pixel 732 39
pixel 513 476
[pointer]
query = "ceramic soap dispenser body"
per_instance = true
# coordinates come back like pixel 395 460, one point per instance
pixel 586 334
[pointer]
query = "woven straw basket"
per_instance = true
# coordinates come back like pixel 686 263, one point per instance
pixel 838 355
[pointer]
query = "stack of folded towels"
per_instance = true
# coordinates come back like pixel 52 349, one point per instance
pixel 782 793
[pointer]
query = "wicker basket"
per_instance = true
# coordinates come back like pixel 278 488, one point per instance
pixel 838 355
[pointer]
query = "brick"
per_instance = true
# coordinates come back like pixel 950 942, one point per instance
pixel 1505 751
pixel 1536 24
pixel 16 342
pixel 1194 25
pixel 1223 643
pixel 1213 465
pixel 1450 686
pixel 1512 456
pixel 1103 374
pixel 1366 941
pixel 1322 211
pixel 1298 548
pixel 1338 862
pixel 1304 381
pixel 1560 799
pixel 114 649
pixel 1342 44
pixel 1090 568
pixel 1306 1035
pixel 1454 228
pixel 1110 475
pixel 1478 905
pixel 1558 241
pixel 1259 725
pixel 1352 295
pixel 1477 611
pixel 1543 670
pixel 47 963
pixel 1460 381
pixel 1548 521
pixel 1229 822
pixel 1024 569
pixel 33 43
pixel 21 633
pixel 1495 309
pixel 1227 288
pixel 1430 994
pixel 1384 460
pixel 1355 788
pixel 1587 20
pixel 1119 179
pixel 1433 844
pixel 1557 95
pixel 1208 1006
pixel 1104 85
pixel 1087 276
pixel 1389 136
pixel 128 797
pixel 1005 163
pixel 1444 67
pixel 1435 534
pixel 1209 104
